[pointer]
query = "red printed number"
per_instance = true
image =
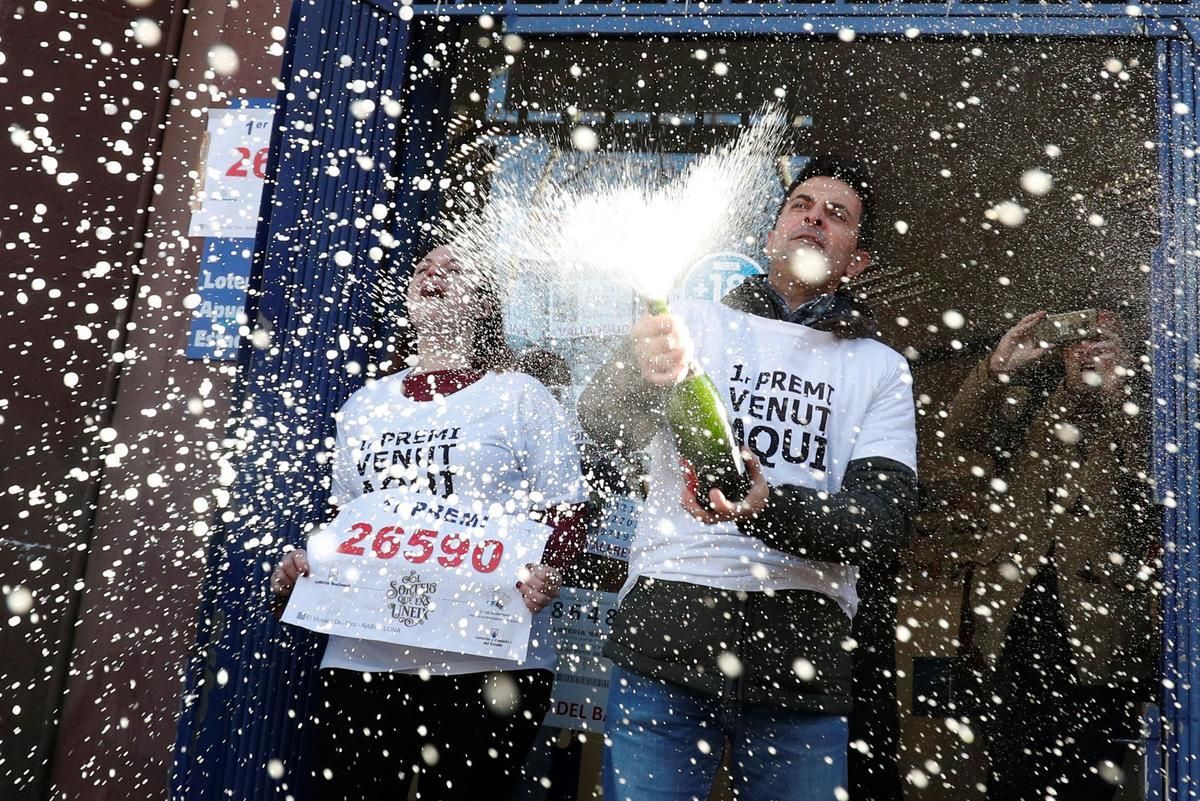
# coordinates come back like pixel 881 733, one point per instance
pixel 453 548
pixel 385 545
pixel 494 549
pixel 422 539
pixel 351 545
pixel 259 165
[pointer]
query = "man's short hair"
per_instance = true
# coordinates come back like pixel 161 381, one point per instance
pixel 852 171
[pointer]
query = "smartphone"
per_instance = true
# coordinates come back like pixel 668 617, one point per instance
pixel 1068 327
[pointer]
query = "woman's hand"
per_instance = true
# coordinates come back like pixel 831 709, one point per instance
pixel 291 567
pixel 539 585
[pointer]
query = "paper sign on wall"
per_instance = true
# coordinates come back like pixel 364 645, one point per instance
pixel 235 163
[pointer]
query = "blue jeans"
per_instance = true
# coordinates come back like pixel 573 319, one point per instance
pixel 664 743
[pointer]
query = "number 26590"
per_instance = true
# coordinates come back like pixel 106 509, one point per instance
pixel 419 546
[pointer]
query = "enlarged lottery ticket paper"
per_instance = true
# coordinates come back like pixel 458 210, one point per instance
pixel 421 574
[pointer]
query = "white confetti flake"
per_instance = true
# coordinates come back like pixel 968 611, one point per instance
pixel 917 778
pixel 1067 433
pixel 1036 182
pixel 146 32
pixel 1009 214
pixel 809 266
pixel 953 319
pixel 362 109
pixel 223 60
pixel 19 601
pixel 584 139
pixel 502 695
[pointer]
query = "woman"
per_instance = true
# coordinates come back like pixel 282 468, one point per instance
pixel 386 712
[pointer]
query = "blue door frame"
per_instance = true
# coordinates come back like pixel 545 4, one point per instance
pixel 248 684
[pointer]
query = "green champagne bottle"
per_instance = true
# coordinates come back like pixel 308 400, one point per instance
pixel 700 426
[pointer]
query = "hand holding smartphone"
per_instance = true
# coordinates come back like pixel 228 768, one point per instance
pixel 1069 327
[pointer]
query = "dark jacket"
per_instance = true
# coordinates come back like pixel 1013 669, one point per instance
pixel 793 647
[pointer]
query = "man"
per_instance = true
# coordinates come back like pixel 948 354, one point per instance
pixel 1063 606
pixel 735 624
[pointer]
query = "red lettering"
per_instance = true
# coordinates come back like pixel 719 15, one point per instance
pixel 492 562
pixel 260 163
pixel 386 544
pixel 238 168
pixel 455 549
pixel 422 539
pixel 351 545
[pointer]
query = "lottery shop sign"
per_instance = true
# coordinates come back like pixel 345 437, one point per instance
pixel 421 574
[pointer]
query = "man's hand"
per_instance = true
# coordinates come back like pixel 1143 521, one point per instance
pixel 663 348
pixel 1018 347
pixel 291 567
pixel 539 585
pixel 724 510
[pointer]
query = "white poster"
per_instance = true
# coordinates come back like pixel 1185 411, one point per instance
pixel 421 574
pixel 235 162
pixel 579 624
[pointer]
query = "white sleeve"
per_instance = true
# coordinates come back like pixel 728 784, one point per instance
pixel 889 427
pixel 547 449
pixel 343 484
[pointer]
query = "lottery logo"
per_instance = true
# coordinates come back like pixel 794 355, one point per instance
pixel 413 598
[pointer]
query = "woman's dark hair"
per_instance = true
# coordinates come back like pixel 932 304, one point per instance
pixel 546 366
pixel 852 171
pixel 489 348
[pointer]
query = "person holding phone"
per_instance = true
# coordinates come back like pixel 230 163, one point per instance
pixel 502 445
pixel 1062 602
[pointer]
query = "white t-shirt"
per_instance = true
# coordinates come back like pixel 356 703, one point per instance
pixel 806 403
pixel 501 445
